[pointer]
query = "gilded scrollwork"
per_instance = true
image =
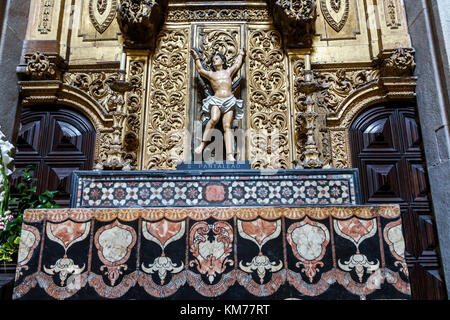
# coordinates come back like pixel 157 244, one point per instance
pixel 96 84
pixel 225 41
pixel 340 84
pixel 398 62
pixel 134 103
pixel 218 14
pixel 166 115
pixel 267 101
pixel 340 148
pixel 39 67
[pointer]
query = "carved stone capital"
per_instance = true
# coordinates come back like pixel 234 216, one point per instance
pixel 295 20
pixel 397 63
pixel 40 66
pixel 140 21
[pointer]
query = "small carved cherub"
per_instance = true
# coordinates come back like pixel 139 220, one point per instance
pixel 223 103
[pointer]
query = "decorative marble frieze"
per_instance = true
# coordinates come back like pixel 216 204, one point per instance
pixel 353 252
pixel 180 188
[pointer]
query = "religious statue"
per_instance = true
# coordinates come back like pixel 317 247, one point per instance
pixel 223 103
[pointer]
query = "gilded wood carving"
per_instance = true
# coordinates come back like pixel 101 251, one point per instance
pixel 268 112
pixel 166 115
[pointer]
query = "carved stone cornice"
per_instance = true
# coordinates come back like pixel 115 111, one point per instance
pixel 41 66
pixel 397 62
pixel 295 20
pixel 140 21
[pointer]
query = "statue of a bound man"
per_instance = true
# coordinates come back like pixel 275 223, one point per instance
pixel 223 103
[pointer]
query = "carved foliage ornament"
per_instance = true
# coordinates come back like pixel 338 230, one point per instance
pixel 213 14
pixel 167 110
pixel 100 17
pixel 267 101
pixel 294 19
pixel 39 67
pixel 399 63
pixel 299 10
pixel 338 15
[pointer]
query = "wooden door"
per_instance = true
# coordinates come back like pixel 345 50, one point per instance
pixel 57 141
pixel 387 148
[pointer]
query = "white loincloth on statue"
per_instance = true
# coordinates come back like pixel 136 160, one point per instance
pixel 225 105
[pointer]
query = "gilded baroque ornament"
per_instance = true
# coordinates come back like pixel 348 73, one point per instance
pixel 399 62
pixel 268 112
pixel 41 66
pixel 102 13
pixel 166 115
pixel 251 14
pixel 335 12
pixel 340 84
pixel 95 84
pixel 306 125
pixel 294 19
pixel 140 21
pixel 134 101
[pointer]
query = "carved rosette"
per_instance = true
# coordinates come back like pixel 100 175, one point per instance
pixel 267 111
pixel 166 116
pixel 140 21
pixel 295 19
pixel 398 62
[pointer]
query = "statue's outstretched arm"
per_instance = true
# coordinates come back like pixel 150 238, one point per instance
pixel 239 61
pixel 198 65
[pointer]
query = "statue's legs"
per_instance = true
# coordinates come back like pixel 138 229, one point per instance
pixel 215 117
pixel 227 121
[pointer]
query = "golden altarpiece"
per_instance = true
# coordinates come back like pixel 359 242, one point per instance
pixel 311 67
pixel 357 53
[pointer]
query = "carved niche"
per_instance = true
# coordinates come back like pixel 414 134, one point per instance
pixel 294 19
pixel 140 21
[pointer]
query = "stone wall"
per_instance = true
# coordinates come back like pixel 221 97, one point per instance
pixel 13 20
pixel 429 23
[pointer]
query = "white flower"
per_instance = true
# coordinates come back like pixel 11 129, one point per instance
pixel 5 149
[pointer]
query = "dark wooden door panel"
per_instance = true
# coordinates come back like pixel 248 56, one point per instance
pixel 57 141
pixel 386 147
pixel 383 176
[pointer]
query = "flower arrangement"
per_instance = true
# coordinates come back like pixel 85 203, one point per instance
pixel 27 198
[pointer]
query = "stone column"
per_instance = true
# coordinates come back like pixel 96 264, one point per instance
pixel 429 27
pixel 13 25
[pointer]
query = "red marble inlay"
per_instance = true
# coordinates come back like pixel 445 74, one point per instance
pixel 215 193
